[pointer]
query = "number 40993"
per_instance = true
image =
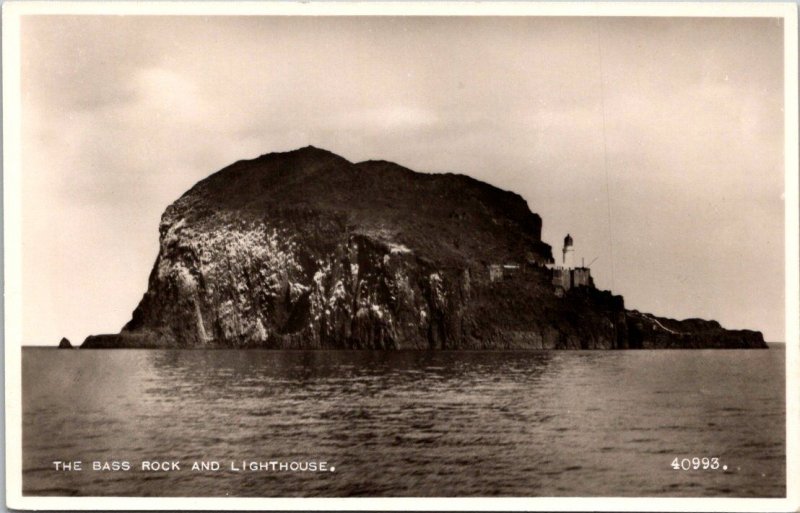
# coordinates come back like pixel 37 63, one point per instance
pixel 696 463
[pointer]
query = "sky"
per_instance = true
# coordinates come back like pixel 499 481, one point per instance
pixel 657 143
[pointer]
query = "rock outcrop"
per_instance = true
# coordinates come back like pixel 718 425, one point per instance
pixel 646 331
pixel 64 344
pixel 307 250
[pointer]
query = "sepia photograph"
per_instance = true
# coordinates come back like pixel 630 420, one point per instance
pixel 503 256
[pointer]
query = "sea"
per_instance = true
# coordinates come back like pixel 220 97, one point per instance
pixel 260 423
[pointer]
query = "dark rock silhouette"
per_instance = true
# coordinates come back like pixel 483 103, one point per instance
pixel 64 344
pixel 307 250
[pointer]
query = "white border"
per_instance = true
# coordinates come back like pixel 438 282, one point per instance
pixel 411 8
pixel 12 11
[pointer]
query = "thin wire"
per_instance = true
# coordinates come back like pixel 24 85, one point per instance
pixel 605 150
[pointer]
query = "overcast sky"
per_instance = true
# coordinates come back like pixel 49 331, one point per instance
pixel 657 141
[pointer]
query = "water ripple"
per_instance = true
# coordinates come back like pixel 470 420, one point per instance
pixel 407 423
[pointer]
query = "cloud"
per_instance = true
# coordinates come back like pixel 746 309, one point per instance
pixel 395 117
pixel 121 115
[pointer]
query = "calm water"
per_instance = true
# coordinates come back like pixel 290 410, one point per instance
pixel 605 423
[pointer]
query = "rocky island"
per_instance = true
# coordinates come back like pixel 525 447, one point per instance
pixel 307 250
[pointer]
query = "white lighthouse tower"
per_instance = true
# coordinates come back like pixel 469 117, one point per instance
pixel 568 254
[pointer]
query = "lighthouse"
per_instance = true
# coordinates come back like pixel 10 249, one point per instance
pixel 565 275
pixel 568 254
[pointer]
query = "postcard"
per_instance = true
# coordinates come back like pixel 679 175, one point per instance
pixel 401 256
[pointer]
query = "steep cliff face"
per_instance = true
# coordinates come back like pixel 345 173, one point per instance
pixel 307 250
